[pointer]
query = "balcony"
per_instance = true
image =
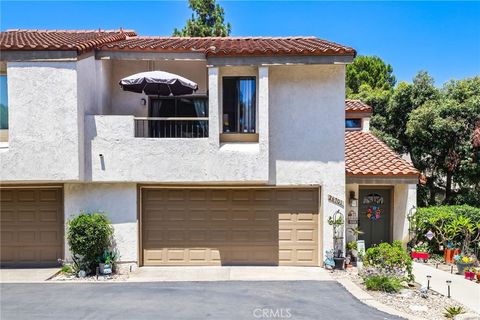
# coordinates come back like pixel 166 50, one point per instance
pixel 171 127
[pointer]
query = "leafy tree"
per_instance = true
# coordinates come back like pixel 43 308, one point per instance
pixel 207 21
pixel 369 70
pixel 440 133
pixel 371 80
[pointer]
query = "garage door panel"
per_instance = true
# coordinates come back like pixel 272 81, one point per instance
pixel 266 226
pixel 32 226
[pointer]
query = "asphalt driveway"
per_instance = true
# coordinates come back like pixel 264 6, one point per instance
pixel 183 300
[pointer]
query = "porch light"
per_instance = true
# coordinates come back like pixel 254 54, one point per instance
pixel 353 200
pixel 143 101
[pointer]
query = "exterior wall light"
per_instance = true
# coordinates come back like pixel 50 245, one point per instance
pixel 143 101
pixel 353 200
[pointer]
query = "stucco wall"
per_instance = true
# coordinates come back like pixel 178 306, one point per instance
pixel 118 201
pixel 405 196
pixel 44 121
pixel 307 111
pixel 351 212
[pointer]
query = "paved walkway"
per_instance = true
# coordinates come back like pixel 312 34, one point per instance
pixel 26 275
pixel 224 273
pixel 464 291
pixel 184 300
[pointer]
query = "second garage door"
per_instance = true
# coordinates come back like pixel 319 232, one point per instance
pixel 260 226
pixel 31 226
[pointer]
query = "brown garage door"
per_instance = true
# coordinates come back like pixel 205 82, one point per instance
pixel 263 226
pixel 31 226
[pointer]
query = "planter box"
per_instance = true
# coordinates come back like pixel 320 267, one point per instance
pixel 469 275
pixel 420 255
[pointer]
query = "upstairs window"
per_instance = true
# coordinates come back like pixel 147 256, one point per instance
pixel 353 123
pixel 3 104
pixel 239 105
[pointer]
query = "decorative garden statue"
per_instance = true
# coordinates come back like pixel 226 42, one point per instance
pixel 329 262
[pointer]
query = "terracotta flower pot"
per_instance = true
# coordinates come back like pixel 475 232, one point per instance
pixel 449 254
pixel 478 275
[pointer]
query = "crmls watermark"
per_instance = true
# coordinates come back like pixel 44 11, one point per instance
pixel 272 313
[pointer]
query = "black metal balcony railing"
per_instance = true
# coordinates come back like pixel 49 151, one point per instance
pixel 171 127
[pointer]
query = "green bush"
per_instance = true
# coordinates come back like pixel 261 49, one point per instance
pixel 383 283
pixel 448 224
pixel 390 258
pixel 88 236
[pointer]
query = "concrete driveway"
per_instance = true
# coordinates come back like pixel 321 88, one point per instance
pixel 228 273
pixel 184 300
pixel 26 275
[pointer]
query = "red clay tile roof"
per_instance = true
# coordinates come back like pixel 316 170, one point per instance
pixel 233 46
pixel 366 155
pixel 357 106
pixel 65 40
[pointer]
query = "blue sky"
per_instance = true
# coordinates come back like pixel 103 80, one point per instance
pixel 440 37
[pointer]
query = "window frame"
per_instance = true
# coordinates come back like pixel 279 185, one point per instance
pixel 354 128
pixel 236 136
pixel 4 133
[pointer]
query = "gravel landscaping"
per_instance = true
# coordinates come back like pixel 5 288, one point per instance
pixel 409 300
pixel 101 278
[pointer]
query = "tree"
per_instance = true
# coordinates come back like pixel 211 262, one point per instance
pixel 207 21
pixel 371 80
pixel 369 70
pixel 440 133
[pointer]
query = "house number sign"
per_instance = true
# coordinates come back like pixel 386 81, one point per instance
pixel 336 201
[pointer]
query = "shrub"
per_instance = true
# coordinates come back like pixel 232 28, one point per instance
pixel 390 259
pixel 451 312
pixel 383 283
pixel 446 222
pixel 89 235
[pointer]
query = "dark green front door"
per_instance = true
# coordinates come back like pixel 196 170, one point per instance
pixel 374 216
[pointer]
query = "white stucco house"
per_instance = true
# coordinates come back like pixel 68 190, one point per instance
pixel 245 171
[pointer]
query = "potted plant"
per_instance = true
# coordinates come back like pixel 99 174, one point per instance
pixel 464 261
pixel 336 221
pixel 106 261
pixel 469 273
pixel 352 252
pixel 478 274
pixel 420 252
pixel 450 252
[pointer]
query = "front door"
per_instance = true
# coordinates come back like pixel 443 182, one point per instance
pixel 374 216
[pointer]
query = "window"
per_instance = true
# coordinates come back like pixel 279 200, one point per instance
pixel 3 104
pixel 353 123
pixel 239 99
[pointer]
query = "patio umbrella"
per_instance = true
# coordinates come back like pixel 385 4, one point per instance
pixel 159 83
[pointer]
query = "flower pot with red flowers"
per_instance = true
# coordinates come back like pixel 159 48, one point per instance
pixel 464 262
pixel 469 273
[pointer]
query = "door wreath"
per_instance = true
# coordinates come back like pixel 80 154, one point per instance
pixel 374 213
